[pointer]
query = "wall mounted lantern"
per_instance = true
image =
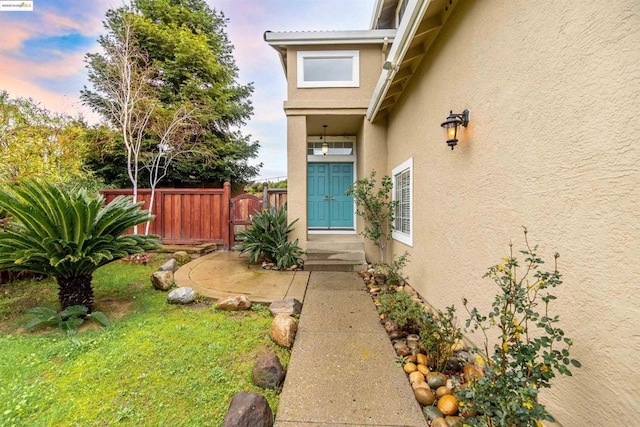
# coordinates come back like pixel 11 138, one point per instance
pixel 451 126
pixel 325 146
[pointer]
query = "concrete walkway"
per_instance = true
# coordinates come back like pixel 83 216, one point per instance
pixel 342 370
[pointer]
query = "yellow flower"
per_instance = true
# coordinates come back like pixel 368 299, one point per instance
pixel 539 424
pixel 544 368
pixel 527 405
pixel 505 347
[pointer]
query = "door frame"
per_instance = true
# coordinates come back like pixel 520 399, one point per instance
pixel 334 159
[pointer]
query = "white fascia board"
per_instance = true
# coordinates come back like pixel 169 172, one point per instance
pixel 406 31
pixel 309 38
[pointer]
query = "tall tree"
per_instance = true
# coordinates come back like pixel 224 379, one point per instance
pixel 124 94
pixel 186 44
pixel 37 143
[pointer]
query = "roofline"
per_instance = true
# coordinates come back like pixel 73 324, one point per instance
pixel 414 13
pixel 299 38
pixel 281 40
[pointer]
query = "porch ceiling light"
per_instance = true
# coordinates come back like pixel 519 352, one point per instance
pixel 325 146
pixel 450 126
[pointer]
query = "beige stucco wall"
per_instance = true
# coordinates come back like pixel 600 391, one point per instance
pixel 371 155
pixel 553 89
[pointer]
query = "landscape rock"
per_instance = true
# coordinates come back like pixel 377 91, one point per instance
pixel 171 265
pixel 248 410
pixel 268 371
pixel 380 278
pixel 234 303
pixel 182 296
pixel 283 330
pixel 182 257
pixel 289 306
pixel 162 280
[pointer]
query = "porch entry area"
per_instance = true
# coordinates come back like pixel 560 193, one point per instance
pixel 328 208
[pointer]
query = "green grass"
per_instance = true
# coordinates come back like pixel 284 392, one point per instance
pixel 157 364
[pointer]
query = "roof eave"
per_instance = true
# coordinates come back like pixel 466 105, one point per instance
pixel 303 38
pixel 281 40
pixel 422 20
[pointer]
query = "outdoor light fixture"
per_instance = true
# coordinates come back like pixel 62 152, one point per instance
pixel 325 146
pixel 451 126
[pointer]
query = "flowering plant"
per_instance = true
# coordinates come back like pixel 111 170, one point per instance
pixel 531 348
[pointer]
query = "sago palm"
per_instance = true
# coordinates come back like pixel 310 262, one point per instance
pixel 67 234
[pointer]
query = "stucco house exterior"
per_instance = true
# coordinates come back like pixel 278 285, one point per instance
pixel 552 144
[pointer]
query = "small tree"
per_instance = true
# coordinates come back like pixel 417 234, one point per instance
pixel 67 234
pixel 374 205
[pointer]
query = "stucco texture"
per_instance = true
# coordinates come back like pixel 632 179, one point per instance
pixel 553 89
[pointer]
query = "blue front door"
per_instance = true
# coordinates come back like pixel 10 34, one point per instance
pixel 327 205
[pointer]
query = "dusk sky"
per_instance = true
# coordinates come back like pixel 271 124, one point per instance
pixel 42 55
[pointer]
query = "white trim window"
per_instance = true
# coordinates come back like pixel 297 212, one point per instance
pixel 329 68
pixel 402 194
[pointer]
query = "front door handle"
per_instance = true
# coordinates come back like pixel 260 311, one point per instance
pixel 331 198
pixel 326 197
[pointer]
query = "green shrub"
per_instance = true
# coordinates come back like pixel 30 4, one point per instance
pixel 69 319
pixel 393 271
pixel 530 350
pixel 268 237
pixel 400 308
pixel 438 334
pixel 67 234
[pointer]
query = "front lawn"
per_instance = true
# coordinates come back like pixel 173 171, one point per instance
pixel 157 364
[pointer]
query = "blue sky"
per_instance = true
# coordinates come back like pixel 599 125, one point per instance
pixel 42 54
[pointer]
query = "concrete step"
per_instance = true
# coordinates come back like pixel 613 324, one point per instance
pixel 334 265
pixel 335 253
pixel 340 245
pixel 355 255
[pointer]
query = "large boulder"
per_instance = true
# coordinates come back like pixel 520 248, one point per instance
pixel 234 303
pixel 283 330
pixel 268 371
pixel 162 280
pixel 290 307
pixel 182 296
pixel 182 257
pixel 248 410
pixel 171 265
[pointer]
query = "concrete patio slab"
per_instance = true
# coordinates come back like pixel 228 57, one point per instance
pixel 221 274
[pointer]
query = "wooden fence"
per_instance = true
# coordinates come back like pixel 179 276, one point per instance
pixel 190 216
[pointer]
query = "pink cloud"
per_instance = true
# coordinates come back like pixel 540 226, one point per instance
pixel 56 102
pixel 68 65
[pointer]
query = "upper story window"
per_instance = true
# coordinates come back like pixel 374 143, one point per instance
pixel 329 68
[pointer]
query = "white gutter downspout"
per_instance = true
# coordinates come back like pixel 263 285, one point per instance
pixel 412 18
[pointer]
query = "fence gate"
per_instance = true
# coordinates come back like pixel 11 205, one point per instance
pixel 242 207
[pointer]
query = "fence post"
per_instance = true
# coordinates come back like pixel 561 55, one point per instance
pixel 265 195
pixel 226 217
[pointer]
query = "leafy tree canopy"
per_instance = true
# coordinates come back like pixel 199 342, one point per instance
pixel 36 143
pixel 185 44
